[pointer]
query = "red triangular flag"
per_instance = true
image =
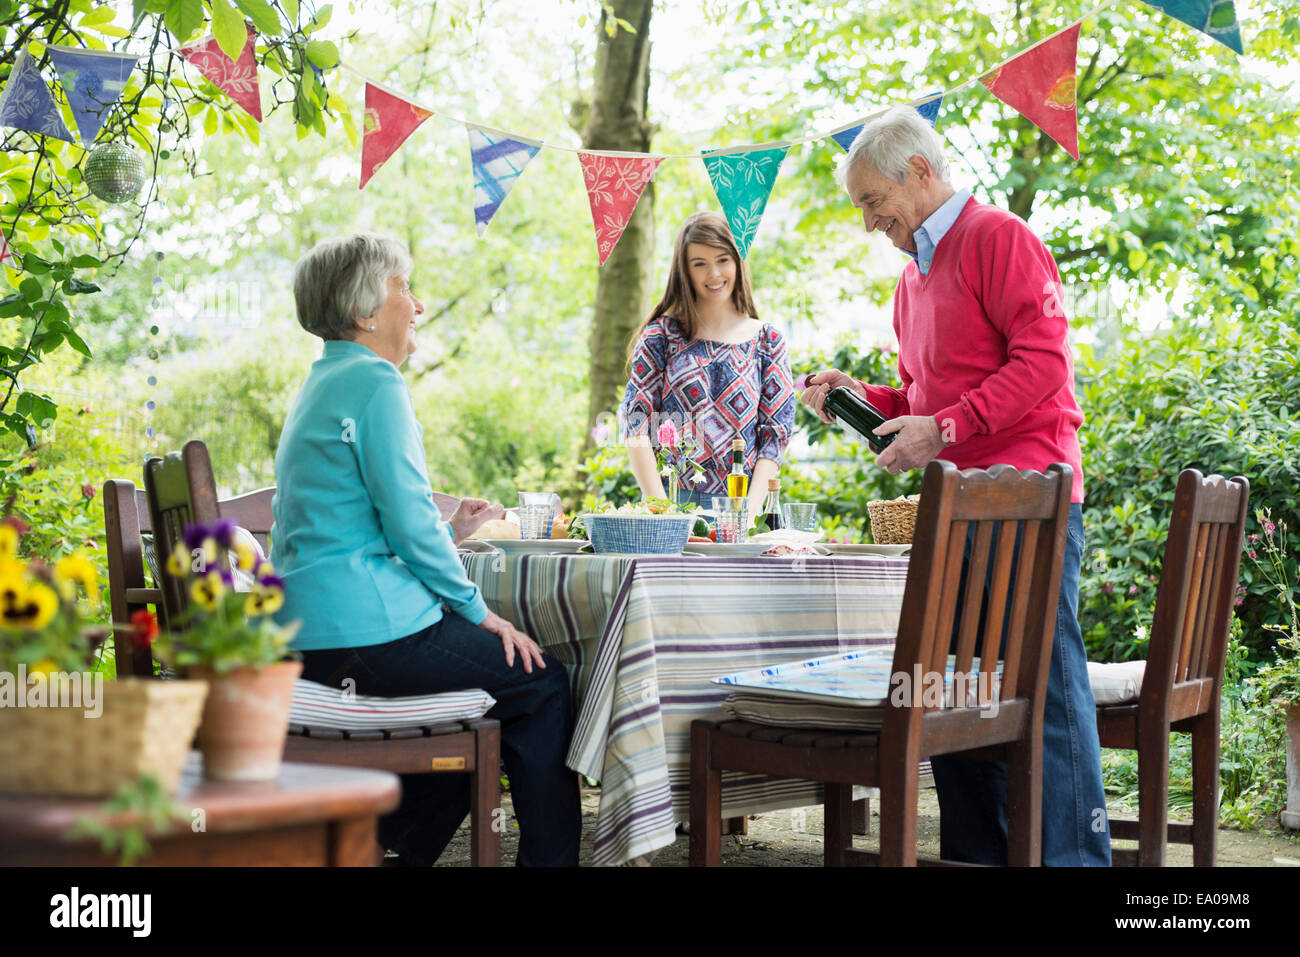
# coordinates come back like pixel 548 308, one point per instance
pixel 236 78
pixel 614 184
pixel 1040 85
pixel 390 119
pixel 7 254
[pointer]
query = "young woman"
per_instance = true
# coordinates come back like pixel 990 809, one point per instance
pixel 703 360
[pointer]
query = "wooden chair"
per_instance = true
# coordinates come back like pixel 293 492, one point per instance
pixel 1020 612
pixel 181 490
pixel 1183 681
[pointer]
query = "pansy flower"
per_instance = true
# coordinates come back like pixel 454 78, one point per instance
pixel 73 570
pixel 207 591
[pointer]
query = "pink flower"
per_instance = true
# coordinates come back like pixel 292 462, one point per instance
pixel 1254 538
pixel 1269 527
pixel 87 491
pixel 599 432
pixel 1107 588
pixel 1252 554
pixel 1132 589
pixel 668 434
pixel 1237 601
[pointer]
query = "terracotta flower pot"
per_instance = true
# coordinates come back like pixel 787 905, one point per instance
pixel 245 721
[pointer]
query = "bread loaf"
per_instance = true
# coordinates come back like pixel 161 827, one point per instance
pixel 499 528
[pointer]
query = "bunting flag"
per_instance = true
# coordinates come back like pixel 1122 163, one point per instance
pixel 235 78
pixel 614 184
pixel 743 182
pixel 7 254
pixel 930 111
pixel 390 119
pixel 93 81
pixel 1215 18
pixel 27 103
pixel 1040 85
pixel 498 162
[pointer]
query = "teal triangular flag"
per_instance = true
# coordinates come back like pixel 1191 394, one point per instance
pixel 1216 18
pixel 743 182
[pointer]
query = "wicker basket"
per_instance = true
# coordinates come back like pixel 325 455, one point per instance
pixel 892 521
pixel 146 727
pixel 638 534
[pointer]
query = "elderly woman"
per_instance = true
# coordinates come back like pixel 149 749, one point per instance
pixel 371 570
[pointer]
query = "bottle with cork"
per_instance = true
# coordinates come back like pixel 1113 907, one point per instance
pixel 771 514
pixel 737 480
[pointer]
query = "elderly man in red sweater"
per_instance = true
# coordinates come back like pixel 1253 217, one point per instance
pixel 987 378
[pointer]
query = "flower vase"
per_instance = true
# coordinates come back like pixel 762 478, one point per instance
pixel 246 720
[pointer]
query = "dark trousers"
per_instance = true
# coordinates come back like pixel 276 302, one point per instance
pixel 536 723
pixel 973 794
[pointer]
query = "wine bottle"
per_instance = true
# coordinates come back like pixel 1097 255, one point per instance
pixel 771 515
pixel 860 415
pixel 737 480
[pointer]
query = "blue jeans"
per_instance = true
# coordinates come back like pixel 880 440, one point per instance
pixel 536 724
pixel 973 794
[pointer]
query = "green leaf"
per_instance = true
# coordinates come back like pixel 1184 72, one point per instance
pixel 210 122
pixel 290 8
pixel 78 343
pixel 74 286
pixel 31 289
pixel 35 265
pixel 228 27
pixel 13 305
pixel 321 19
pixel 84 261
pixel 184 17
pixel 44 410
pixel 24 404
pixel 97 16
pixel 263 16
pixel 323 53
pixel 1136 257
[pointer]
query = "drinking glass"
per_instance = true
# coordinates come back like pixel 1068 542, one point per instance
pixel 800 516
pixel 537 511
pixel 732 518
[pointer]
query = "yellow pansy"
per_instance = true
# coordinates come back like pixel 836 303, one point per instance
pixel 264 601
pixel 8 541
pixel 245 556
pixel 27 605
pixel 76 569
pixel 46 666
pixel 207 591
pixel 178 564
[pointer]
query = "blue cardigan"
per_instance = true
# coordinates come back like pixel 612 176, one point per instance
pixel 364 554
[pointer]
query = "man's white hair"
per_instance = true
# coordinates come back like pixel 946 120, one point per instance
pixel 890 141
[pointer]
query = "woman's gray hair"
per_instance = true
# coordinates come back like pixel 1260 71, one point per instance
pixel 889 141
pixel 343 280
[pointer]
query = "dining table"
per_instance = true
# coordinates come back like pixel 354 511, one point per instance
pixel 642 637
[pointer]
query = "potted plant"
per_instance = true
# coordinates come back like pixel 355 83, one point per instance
pixel 1279 682
pixel 63 729
pixel 230 640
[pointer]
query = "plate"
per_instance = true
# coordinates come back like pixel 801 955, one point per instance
pixel 840 548
pixel 719 549
pixel 540 546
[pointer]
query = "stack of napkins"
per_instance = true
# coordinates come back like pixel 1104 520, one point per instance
pixel 788 541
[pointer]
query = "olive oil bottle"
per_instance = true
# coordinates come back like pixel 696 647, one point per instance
pixel 737 480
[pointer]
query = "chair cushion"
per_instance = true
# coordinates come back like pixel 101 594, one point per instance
pixel 790 713
pixel 1117 682
pixel 317 706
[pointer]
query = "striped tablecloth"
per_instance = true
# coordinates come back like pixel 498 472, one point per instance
pixel 642 637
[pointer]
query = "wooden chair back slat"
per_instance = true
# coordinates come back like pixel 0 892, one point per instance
pixel 974 598
pixel 951 501
pixel 1189 631
pixel 1000 584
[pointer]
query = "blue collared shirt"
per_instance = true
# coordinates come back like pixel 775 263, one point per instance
pixel 934 229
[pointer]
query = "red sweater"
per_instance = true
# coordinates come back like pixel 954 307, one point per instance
pixel 983 348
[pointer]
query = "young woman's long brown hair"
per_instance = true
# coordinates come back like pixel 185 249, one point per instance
pixel 707 229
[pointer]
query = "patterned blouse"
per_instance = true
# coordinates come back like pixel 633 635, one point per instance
pixel 716 390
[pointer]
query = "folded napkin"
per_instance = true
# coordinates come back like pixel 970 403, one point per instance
pixel 788 541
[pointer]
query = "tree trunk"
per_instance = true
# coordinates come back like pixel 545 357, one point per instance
pixel 618 122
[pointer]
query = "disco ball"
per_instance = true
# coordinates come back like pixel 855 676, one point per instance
pixel 114 172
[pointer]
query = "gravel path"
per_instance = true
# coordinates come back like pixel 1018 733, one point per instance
pixel 794 839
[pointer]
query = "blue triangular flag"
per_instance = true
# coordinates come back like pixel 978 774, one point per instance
pixel 928 110
pixel 93 81
pixel 27 103
pixel 1215 18
pixel 743 182
pixel 498 162
pixel 931 110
